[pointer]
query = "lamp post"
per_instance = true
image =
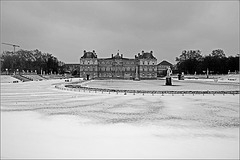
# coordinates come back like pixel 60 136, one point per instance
pixel 136 74
pixel 207 72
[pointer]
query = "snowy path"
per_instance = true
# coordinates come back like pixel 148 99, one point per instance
pixel 40 121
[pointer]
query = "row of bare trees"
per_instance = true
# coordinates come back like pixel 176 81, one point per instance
pixel 34 60
pixel 192 61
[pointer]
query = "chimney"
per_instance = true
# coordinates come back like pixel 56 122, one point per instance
pixel 93 51
pixel 112 55
pixel 84 51
pixel 151 51
pixel 142 51
pixel 121 55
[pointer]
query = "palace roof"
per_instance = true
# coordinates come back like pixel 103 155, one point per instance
pixel 145 55
pixel 89 54
pixel 165 63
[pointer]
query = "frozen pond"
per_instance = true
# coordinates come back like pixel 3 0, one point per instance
pixel 39 121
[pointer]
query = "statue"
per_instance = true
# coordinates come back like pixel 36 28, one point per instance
pixel 169 72
pixel 168 77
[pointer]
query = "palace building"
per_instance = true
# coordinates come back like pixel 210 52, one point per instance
pixel 162 68
pixel 143 66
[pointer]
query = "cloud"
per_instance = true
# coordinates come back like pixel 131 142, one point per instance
pixel 67 28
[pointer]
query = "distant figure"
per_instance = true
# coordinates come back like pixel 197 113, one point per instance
pixel 182 76
pixel 169 72
pixel 179 76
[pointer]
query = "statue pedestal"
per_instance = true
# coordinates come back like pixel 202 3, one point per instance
pixel 168 81
pixel 136 79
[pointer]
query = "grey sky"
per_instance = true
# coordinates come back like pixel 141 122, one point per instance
pixel 65 29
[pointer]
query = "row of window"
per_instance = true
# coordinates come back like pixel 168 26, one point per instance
pixel 147 63
pixel 103 62
pixel 88 62
pixel 148 69
pixel 117 69
pixel 119 62
pixel 91 68
pixel 149 75
pixel 112 62
pixel 160 66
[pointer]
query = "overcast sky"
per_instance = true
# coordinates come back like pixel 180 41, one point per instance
pixel 65 29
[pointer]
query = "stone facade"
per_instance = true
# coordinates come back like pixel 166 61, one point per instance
pixel 144 66
pixel 147 65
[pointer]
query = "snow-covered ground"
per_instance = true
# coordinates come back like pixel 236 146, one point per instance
pixel 40 121
pixel 159 85
pixel 8 79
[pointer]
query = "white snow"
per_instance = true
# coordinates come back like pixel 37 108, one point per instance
pixel 39 121
pixel 159 85
pixel 8 79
